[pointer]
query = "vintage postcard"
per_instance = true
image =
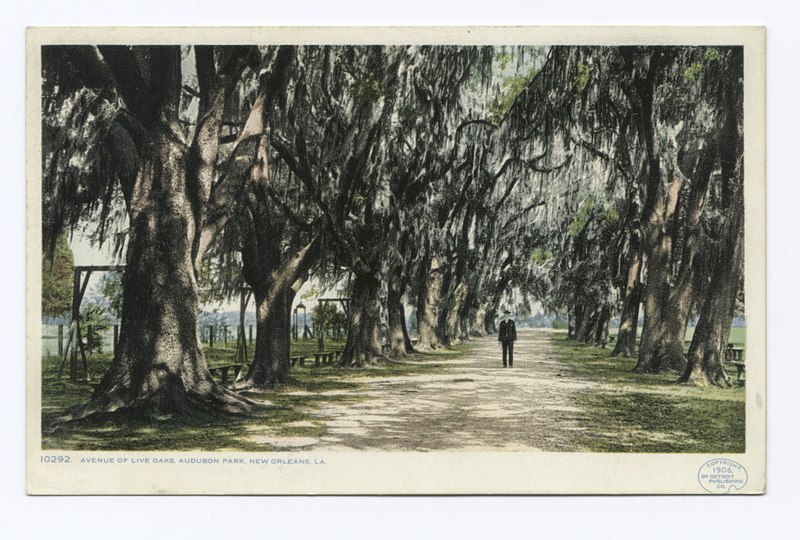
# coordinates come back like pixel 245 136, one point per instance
pixel 456 260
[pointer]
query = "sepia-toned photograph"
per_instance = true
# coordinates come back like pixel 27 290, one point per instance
pixel 253 254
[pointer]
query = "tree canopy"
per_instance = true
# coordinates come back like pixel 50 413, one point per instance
pixel 459 180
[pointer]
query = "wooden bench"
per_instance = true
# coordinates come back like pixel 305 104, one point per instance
pixel 294 360
pixel 319 357
pixel 223 371
pixel 739 371
pixel 325 358
pixel 735 356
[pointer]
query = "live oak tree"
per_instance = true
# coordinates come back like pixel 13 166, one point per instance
pixel 335 160
pixel 132 148
pixel 385 139
pixel 274 230
pixel 680 119
pixel 722 253
pixel 426 148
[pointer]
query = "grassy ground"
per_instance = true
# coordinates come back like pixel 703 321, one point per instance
pixel 738 336
pixel 292 411
pixel 630 412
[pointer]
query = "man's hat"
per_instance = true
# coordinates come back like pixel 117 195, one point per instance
pixel 507 312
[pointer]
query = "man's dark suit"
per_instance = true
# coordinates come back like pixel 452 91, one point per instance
pixel 507 336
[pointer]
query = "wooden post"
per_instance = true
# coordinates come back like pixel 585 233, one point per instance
pixel 66 353
pixel 250 330
pixel 76 305
pixel 241 344
pixel 60 340
pixel 115 343
pixel 90 339
pixel 83 355
pixel 211 337
pixel 225 335
pixel 320 327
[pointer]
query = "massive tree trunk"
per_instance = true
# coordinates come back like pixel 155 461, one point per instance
pixel 490 320
pixel 723 264
pixel 581 322
pixel 676 179
pixel 467 315
pixel 629 319
pixel 159 368
pixel 628 323
pixel 666 318
pixel 363 345
pixel 600 336
pixel 666 304
pixel 406 336
pixel 707 350
pixel 592 327
pixel 428 306
pixel 399 343
pixel 398 339
pixel 450 317
pixel 478 321
pixel 445 299
pixel 274 289
pixel 270 365
pixel 671 244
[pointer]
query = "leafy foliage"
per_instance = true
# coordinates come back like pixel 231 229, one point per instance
pixel 94 321
pixel 333 318
pixel 111 287
pixel 57 278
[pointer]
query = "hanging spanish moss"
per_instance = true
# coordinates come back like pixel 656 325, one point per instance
pixel 598 183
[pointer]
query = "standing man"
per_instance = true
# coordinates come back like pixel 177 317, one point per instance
pixel 507 336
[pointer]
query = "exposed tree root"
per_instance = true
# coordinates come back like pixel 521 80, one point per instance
pixel 247 385
pixel 703 378
pixel 171 402
pixel 430 347
pixel 363 360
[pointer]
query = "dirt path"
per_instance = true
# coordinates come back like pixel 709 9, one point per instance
pixel 475 404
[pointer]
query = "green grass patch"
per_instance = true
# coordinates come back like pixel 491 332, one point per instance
pixel 737 336
pixel 631 412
